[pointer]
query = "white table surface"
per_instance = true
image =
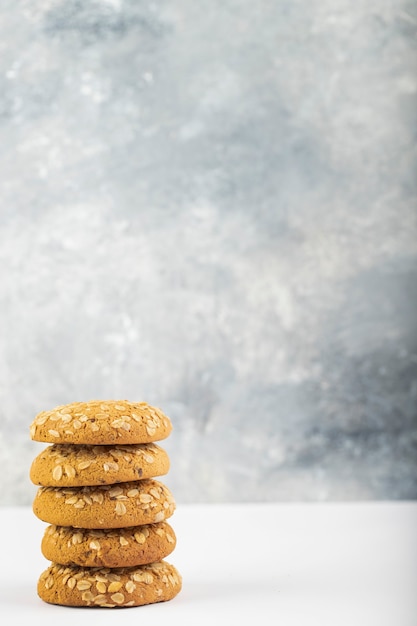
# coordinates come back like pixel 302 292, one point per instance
pixel 284 564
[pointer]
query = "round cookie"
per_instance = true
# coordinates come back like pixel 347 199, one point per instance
pixel 70 465
pixel 103 587
pixel 105 506
pixel 124 547
pixel 101 422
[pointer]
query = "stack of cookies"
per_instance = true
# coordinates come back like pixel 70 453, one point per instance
pixel 107 536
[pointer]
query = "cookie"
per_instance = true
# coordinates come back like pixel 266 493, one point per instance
pixel 69 465
pixel 101 422
pixel 124 547
pixel 105 506
pixel 103 587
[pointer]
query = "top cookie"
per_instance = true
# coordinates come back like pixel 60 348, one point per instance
pixel 101 422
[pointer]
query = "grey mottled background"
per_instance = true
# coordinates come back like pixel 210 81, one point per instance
pixel 211 206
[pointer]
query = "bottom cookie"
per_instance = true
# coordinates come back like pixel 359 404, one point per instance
pixel 105 587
